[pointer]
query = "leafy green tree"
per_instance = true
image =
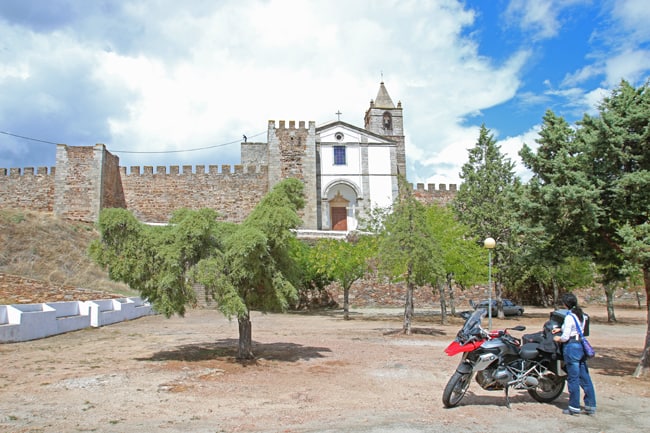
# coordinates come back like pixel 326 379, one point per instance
pixel 344 261
pixel 484 202
pixel 406 249
pixel 156 260
pixel 463 261
pixel 255 268
pixel 243 267
pixel 593 188
pixel 559 199
pixel 312 282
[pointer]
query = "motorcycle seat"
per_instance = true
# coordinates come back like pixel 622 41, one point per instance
pixel 529 351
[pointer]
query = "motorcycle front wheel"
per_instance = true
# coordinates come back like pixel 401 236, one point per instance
pixel 456 388
pixel 549 389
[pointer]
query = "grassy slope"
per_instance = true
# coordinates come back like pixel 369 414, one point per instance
pixel 40 246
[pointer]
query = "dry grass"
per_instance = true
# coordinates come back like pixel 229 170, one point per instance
pixel 40 246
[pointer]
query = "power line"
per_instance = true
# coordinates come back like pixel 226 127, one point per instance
pixel 27 138
pixel 143 151
pixel 186 150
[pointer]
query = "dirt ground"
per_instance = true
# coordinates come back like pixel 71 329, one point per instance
pixel 314 373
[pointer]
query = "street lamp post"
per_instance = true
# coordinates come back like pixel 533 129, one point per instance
pixel 489 244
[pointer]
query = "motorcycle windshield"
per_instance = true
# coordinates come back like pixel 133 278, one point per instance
pixel 472 326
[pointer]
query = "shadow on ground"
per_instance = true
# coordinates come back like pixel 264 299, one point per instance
pixel 226 350
pixel 615 362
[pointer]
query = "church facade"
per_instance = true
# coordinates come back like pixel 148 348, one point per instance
pixel 347 170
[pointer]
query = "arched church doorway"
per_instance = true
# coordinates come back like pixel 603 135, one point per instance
pixel 342 205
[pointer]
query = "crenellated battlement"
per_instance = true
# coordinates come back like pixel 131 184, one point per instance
pixel 28 171
pixel 26 188
pixel 292 125
pixel 176 170
pixel 432 187
pixel 442 195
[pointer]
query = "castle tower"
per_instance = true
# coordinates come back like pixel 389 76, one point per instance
pixel 292 153
pixel 384 118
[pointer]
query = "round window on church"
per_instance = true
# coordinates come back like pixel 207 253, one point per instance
pixel 339 136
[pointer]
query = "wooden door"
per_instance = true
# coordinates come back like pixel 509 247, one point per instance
pixel 339 218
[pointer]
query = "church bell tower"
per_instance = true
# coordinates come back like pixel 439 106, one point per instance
pixel 384 118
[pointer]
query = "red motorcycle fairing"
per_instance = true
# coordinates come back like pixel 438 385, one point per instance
pixel 455 347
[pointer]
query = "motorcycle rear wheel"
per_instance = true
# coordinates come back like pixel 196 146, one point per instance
pixel 455 389
pixel 551 391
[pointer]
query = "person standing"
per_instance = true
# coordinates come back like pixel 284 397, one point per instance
pixel 575 359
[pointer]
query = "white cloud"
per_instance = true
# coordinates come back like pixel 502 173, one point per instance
pixel 582 75
pixel 510 146
pixel 235 77
pixel 536 16
pixel 541 18
pixel 630 65
pixel 634 15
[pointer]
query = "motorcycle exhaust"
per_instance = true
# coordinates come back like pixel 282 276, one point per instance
pixel 531 381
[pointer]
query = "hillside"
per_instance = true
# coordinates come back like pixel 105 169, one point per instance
pixel 43 256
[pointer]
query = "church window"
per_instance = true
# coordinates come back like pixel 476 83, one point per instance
pixel 339 155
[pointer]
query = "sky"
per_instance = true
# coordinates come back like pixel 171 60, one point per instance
pixel 163 82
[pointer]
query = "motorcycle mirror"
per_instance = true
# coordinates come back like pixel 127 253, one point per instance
pixel 519 328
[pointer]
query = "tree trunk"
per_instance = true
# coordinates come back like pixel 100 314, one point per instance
pixel 556 294
pixel 346 303
pixel 609 294
pixel 443 304
pixel 245 338
pixel 452 299
pixel 408 308
pixel 542 295
pixel 644 364
pixel 500 313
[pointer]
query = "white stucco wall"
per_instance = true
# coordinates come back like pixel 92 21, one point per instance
pixel 376 186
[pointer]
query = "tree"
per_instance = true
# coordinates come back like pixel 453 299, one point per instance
pixel 312 282
pixel 344 261
pixel 255 268
pixel 484 201
pixel 593 189
pixel 406 249
pixel 156 261
pixel 463 260
pixel 243 267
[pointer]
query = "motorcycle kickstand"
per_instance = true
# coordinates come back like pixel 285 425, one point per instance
pixel 507 397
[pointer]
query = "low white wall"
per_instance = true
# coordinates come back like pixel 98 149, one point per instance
pixel 23 322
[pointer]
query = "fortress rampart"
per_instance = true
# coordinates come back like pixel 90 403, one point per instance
pixel 152 196
pixel 430 195
pixel 87 179
pixel 26 189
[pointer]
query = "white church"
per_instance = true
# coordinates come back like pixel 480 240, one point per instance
pixel 347 170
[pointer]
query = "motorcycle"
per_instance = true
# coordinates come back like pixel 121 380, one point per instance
pixel 501 361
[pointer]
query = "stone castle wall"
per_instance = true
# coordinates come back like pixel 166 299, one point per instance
pixel 431 195
pixel 153 196
pixel 87 179
pixel 27 189
pixel 292 154
pixel 78 182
